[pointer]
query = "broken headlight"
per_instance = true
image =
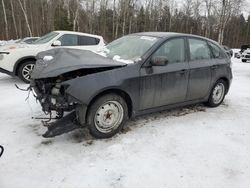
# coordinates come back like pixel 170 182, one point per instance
pixel 44 61
pixel 48 58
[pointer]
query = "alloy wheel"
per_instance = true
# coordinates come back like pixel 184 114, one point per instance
pixel 26 71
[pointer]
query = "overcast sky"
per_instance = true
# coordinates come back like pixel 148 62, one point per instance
pixel 245 7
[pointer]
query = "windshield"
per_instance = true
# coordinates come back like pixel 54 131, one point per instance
pixel 129 47
pixel 19 41
pixel 46 38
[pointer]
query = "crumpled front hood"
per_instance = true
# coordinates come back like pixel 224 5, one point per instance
pixel 63 60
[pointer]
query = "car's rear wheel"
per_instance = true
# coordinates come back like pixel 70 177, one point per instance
pixel 107 115
pixel 244 60
pixel 217 94
pixel 25 70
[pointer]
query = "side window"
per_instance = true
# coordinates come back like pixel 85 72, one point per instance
pixel 69 40
pixel 84 40
pixel 173 49
pixel 216 51
pixel 199 49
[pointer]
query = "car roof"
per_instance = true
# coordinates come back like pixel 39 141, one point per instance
pixel 171 34
pixel 158 34
pixel 30 38
pixel 78 33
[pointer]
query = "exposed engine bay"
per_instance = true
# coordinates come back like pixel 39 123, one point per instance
pixel 50 92
pixel 61 79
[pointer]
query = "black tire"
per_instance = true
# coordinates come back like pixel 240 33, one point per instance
pixel 97 106
pixel 1 150
pixel 21 71
pixel 244 60
pixel 211 101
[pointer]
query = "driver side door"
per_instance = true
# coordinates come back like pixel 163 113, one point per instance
pixel 165 85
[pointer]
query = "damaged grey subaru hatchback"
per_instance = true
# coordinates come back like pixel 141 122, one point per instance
pixel 134 75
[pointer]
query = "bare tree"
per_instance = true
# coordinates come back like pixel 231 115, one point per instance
pixel 5 20
pixel 113 18
pixel 208 5
pixel 23 7
pixel 75 8
pixel 221 20
pixel 226 10
pixel 188 4
pixel 13 17
pixel 172 6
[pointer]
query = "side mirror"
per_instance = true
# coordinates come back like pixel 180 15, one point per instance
pixel 159 61
pixel 56 43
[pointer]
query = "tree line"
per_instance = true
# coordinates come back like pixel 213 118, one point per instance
pixel 221 20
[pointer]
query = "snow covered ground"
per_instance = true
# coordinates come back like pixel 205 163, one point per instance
pixel 190 147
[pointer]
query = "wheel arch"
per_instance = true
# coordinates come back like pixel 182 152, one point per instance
pixel 226 80
pixel 21 61
pixel 119 92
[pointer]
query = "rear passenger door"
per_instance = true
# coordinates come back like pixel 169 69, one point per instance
pixel 221 63
pixel 200 63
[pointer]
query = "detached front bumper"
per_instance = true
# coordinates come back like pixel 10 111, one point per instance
pixel 53 98
pixel 64 125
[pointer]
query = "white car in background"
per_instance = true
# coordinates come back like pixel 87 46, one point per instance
pixel 6 42
pixel 27 40
pixel 18 43
pixel 19 60
pixel 245 56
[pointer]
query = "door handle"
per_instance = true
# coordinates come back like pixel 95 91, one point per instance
pixel 182 71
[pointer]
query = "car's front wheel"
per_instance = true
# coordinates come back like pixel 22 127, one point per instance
pixel 107 115
pixel 25 70
pixel 217 94
pixel 244 60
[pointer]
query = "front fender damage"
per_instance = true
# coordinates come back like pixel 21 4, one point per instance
pixel 51 94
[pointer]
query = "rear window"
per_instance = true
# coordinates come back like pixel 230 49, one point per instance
pixel 199 50
pixel 84 40
pixel 217 52
pixel 78 40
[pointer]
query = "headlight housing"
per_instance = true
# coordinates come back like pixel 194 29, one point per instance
pixel 48 58
pixel 43 62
